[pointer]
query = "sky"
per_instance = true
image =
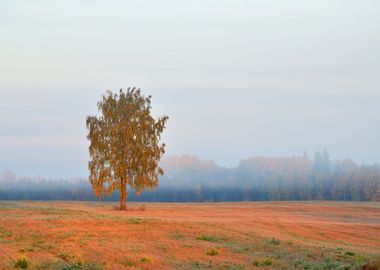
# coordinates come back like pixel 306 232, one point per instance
pixel 237 78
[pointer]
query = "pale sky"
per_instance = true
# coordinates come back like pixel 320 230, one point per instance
pixel 237 78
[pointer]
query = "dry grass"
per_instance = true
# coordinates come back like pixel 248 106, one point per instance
pixel 310 235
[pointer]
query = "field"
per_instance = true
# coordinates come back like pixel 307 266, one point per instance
pixel 278 235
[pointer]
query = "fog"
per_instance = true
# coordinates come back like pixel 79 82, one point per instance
pixel 189 179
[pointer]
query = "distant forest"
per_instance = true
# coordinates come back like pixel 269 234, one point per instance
pixel 188 179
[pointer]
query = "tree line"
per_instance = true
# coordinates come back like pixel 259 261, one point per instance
pixel 189 179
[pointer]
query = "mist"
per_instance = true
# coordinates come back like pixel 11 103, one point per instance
pixel 189 179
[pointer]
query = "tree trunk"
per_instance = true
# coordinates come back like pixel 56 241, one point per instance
pixel 123 195
pixel 101 200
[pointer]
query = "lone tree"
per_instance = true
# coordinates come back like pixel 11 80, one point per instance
pixel 125 144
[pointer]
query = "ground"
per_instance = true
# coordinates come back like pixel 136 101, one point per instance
pixel 263 235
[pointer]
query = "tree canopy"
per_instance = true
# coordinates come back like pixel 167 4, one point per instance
pixel 125 147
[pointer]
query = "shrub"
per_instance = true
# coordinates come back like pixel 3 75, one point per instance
pixel 22 262
pixel 273 241
pixel 256 263
pixel 267 262
pixel 213 252
pixel 146 260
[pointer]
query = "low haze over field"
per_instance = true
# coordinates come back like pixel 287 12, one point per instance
pixel 237 78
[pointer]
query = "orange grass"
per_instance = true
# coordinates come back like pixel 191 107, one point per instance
pixel 267 235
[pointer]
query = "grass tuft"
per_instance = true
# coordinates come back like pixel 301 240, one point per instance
pixel 136 221
pixel 213 252
pixel 73 266
pixel 373 265
pixel 178 236
pixel 267 262
pixel 208 238
pixel 256 263
pixel 128 263
pixel 146 260
pixel 22 262
pixel 64 256
pixel 26 249
pixel 5 233
pixel 273 241
pixel 50 265
pixel 66 235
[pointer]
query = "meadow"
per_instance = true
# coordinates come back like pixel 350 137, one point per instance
pixel 259 235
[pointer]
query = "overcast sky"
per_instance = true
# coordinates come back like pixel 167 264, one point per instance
pixel 237 78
